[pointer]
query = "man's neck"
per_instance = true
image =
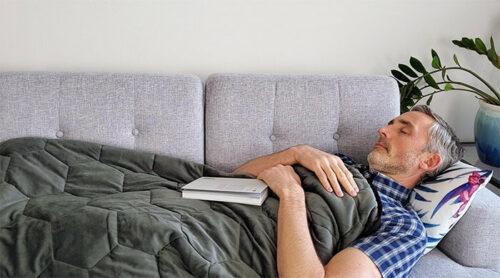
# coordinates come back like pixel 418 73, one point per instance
pixel 408 181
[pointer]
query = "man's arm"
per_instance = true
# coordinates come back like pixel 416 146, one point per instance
pixel 257 165
pixel 296 253
pixel 328 168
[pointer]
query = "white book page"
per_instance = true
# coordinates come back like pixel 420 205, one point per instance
pixel 226 185
pixel 232 197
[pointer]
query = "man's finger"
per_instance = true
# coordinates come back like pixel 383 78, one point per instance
pixel 323 179
pixel 350 177
pixel 341 176
pixel 333 180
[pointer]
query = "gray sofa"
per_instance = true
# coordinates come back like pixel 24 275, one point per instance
pixel 231 119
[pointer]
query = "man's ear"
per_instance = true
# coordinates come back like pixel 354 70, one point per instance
pixel 430 161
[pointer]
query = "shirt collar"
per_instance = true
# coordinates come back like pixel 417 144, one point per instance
pixel 390 188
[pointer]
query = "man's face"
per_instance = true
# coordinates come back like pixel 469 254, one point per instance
pixel 400 144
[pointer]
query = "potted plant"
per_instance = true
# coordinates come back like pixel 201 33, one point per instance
pixel 416 82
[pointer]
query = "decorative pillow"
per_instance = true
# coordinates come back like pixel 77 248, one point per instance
pixel 442 200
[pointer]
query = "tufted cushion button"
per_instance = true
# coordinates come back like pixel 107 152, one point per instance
pixel 336 136
pixel 272 137
pixel 59 134
pixel 135 132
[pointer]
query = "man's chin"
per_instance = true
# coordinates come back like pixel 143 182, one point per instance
pixel 374 158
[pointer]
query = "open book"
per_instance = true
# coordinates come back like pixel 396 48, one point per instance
pixel 234 190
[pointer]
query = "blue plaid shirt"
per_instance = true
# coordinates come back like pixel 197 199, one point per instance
pixel 399 242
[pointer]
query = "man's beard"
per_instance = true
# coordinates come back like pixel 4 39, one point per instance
pixel 381 161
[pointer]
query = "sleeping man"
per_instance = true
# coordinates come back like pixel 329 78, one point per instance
pixel 412 146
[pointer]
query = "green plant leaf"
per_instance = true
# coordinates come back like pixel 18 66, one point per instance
pixel 406 93
pixel 416 92
pixel 480 47
pixel 417 65
pixel 428 78
pixel 428 102
pixel 406 100
pixel 448 87
pixel 457 43
pixel 456 60
pixel 436 62
pixel 443 73
pixel 402 93
pixel 468 43
pixel 400 76
pixel 492 55
pixel 407 70
pixel 409 102
pixel 465 43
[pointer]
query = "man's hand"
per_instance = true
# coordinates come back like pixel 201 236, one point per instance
pixel 283 181
pixel 328 168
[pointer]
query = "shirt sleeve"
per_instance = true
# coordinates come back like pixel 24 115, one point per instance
pixel 397 245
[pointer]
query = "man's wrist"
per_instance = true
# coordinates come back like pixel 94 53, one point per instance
pixel 295 196
pixel 294 153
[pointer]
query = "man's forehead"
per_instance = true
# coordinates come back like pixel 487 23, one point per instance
pixel 415 119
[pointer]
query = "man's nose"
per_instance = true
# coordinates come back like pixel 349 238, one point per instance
pixel 383 131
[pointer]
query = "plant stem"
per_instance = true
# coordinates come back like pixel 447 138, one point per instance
pixel 474 90
pixel 471 72
pixel 435 92
pixel 484 81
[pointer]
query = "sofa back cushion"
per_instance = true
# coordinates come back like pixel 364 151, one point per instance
pixel 250 115
pixel 161 114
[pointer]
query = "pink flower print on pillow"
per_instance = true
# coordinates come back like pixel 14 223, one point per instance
pixel 463 193
pixel 475 180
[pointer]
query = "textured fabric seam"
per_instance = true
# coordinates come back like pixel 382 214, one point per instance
pixel 6 169
pixel 242 227
pixel 168 244
pixel 108 233
pixel 215 210
pixel 266 213
pixel 274 112
pixel 59 104
pixel 51 255
pixel 187 239
pixel 15 203
pixel 100 153
pixel 318 214
pixel 135 112
pixel 110 251
pixel 22 154
pixel 153 165
pixel 328 230
pixel 157 259
pixel 67 166
pixel 339 118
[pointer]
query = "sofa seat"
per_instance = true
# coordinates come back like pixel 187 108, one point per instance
pixel 436 264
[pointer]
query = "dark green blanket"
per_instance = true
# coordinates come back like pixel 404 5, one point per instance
pixel 76 209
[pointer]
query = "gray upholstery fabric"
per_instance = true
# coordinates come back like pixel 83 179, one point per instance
pixel 474 241
pixel 161 114
pixel 249 115
pixel 437 265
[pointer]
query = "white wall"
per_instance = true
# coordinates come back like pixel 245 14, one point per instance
pixel 273 36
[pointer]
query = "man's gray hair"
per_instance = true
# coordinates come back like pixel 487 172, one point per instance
pixel 442 140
